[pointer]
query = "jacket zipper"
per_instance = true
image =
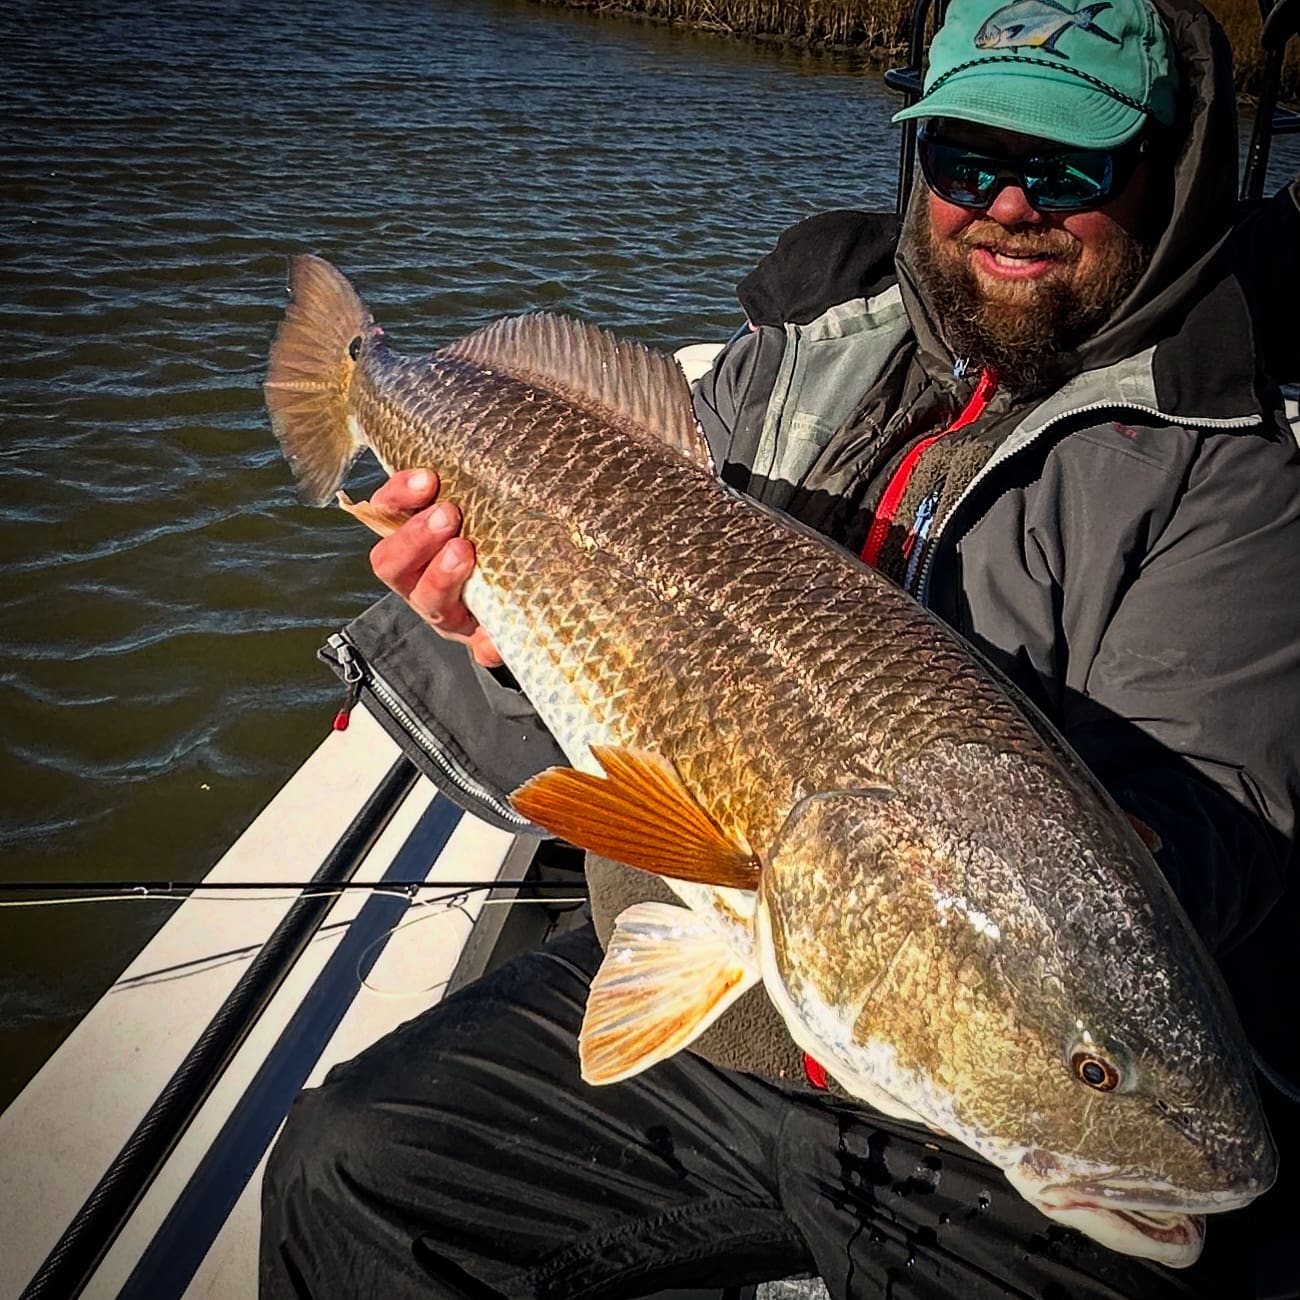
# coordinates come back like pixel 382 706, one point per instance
pixel 1003 454
pixel 356 669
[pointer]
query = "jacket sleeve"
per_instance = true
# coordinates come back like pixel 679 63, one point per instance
pixel 731 401
pixel 474 735
pixel 1191 712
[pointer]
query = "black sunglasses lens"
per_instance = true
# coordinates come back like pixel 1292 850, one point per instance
pixel 1058 182
pixel 958 175
pixel 1079 179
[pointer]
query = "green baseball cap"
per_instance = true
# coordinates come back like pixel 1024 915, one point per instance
pixel 1087 75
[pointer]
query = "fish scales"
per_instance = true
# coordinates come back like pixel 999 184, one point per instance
pixel 625 502
pixel 940 900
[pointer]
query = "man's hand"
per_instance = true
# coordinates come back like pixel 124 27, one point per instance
pixel 426 561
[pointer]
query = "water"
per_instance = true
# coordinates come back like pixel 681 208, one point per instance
pixel 163 597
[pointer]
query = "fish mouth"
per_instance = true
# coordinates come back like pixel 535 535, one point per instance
pixel 1130 1215
pixel 1134 1195
pixel 1169 1236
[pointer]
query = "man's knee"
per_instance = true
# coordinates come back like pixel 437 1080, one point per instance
pixel 326 1129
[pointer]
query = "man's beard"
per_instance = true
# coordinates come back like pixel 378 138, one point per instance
pixel 1023 332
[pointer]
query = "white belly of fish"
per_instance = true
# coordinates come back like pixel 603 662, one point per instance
pixel 548 668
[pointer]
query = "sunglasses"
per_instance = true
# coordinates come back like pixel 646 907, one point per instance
pixel 1058 180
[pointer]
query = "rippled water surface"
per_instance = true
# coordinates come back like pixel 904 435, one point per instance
pixel 162 595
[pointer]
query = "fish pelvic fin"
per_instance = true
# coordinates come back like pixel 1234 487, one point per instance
pixel 666 977
pixel 310 375
pixel 374 517
pixel 631 386
pixel 639 813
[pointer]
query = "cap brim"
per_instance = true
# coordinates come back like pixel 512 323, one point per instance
pixel 1018 97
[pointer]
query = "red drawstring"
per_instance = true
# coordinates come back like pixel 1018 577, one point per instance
pixel 893 494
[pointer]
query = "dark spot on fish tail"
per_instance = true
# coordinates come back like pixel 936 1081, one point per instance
pixel 354 348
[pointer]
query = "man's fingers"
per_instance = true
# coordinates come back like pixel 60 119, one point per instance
pixel 408 489
pixel 401 559
pixel 426 561
pixel 484 650
pixel 436 593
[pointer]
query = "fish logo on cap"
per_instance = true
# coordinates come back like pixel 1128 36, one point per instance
pixel 1037 24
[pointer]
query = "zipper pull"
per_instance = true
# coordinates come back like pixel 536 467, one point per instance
pixel 352 678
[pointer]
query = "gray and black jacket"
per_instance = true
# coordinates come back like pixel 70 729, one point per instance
pixel 1129 556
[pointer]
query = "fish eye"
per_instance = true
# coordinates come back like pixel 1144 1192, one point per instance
pixel 1095 1071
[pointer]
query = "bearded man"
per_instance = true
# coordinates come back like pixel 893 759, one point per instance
pixel 1038 409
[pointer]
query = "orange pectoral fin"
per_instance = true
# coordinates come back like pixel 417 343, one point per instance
pixel 379 521
pixel 638 813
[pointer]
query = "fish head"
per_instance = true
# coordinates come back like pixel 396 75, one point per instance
pixel 1005 964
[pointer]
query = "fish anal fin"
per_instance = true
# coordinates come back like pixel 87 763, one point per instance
pixel 630 385
pixel 666 977
pixel 374 517
pixel 639 813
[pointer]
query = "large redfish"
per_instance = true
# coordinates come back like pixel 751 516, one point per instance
pixel 945 907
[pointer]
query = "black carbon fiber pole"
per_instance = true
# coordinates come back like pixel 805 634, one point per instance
pixel 77 1254
pixel 177 891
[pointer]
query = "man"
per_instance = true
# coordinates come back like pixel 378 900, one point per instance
pixel 1045 419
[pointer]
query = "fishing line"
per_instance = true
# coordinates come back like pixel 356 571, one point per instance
pixel 452 903
pixel 1284 1085
pixel 454 900
pixel 149 896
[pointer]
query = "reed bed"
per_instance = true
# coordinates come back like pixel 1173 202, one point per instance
pixel 879 27
pixel 1240 19
pixel 840 24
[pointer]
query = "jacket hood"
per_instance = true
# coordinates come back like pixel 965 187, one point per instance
pixel 1184 264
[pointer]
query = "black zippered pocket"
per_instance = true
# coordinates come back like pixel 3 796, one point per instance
pixel 426 694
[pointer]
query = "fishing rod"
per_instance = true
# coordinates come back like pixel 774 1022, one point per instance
pixel 180 889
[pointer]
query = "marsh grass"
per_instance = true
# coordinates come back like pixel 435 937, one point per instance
pixel 880 27
pixel 875 25
pixel 1240 19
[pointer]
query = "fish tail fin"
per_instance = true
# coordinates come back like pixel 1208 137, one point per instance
pixel 309 377
pixel 1087 16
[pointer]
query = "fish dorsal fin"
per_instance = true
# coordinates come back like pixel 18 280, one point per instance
pixel 666 977
pixel 632 386
pixel 639 813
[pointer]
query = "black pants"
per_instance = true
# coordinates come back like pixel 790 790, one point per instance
pixel 462 1156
